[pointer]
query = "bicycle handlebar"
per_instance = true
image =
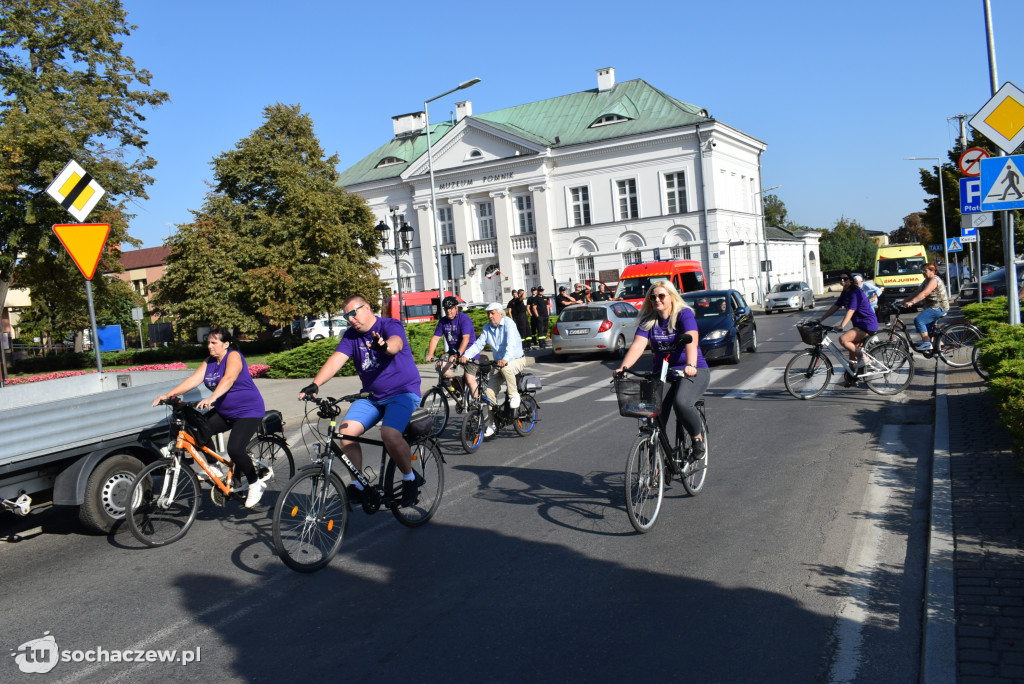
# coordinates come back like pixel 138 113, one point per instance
pixel 328 407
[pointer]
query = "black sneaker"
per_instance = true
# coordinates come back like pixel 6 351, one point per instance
pixel 355 495
pixel 698 449
pixel 849 380
pixel 410 491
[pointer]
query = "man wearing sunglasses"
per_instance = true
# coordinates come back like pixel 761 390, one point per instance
pixel 858 311
pixel 384 362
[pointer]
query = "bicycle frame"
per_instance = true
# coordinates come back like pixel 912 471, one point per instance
pixel 187 443
pixel 837 352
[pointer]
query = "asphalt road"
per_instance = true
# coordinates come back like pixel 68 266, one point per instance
pixel 802 560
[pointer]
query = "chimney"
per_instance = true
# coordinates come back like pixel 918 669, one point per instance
pixel 463 109
pixel 408 124
pixel 605 79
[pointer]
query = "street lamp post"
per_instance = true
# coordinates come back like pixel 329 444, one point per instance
pixel 942 207
pixel 402 237
pixel 433 198
pixel 764 234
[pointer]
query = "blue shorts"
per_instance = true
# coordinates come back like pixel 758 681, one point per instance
pixel 396 411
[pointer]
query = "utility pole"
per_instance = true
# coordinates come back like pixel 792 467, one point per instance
pixel 976 249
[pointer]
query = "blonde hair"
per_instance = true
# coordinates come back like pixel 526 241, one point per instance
pixel 648 315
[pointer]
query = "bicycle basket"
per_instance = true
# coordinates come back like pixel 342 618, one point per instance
pixel 198 426
pixel 811 333
pixel 638 398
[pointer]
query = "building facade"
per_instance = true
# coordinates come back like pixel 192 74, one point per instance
pixel 571 189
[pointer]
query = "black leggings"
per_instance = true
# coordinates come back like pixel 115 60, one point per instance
pixel 242 430
pixel 681 395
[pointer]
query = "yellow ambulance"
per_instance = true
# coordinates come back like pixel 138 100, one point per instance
pixel 898 270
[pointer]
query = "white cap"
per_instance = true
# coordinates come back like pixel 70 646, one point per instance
pixel 858 278
pixel 495 306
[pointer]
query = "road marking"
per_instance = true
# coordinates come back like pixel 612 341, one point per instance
pixel 756 382
pixel 592 387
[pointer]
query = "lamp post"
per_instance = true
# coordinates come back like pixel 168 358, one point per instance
pixel 764 234
pixel 433 198
pixel 942 206
pixel 402 236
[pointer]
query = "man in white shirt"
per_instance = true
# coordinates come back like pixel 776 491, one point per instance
pixel 507 347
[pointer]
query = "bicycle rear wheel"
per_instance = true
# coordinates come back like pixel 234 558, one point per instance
pixel 898 371
pixel 472 433
pixel 956 344
pixel 979 366
pixel 695 470
pixel 436 403
pixel 645 483
pixel 526 415
pixel 310 519
pixel 273 453
pixel 807 374
pixel 428 465
pixel 162 502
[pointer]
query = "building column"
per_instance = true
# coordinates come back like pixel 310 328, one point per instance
pixel 427 255
pixel 542 222
pixel 504 220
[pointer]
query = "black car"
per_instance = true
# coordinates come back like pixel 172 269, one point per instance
pixel 992 285
pixel 725 323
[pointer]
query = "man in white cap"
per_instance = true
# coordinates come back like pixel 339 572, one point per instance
pixel 507 346
pixel 870 289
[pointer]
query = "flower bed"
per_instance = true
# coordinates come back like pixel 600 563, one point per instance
pixel 67 374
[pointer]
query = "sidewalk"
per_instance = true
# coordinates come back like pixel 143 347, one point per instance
pixel 975 610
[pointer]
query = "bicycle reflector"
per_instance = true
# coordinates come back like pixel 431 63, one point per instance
pixel 330 524
pixel 295 509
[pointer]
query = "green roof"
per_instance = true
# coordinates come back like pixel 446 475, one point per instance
pixel 556 122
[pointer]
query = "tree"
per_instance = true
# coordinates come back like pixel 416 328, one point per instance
pixel 846 247
pixel 775 212
pixel 68 92
pixel 912 231
pixel 276 238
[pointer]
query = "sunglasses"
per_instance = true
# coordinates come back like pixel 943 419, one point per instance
pixel 662 296
pixel 349 315
pixel 842 280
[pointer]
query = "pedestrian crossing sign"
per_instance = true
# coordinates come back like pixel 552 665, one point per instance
pixel 953 245
pixel 1002 186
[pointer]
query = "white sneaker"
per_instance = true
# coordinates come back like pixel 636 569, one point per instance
pixel 256 490
pixel 923 346
pixel 488 431
pixel 514 402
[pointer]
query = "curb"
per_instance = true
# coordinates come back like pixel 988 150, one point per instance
pixel 938 648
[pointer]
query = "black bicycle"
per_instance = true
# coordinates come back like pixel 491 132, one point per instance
pixel 953 342
pixel 436 399
pixel 651 455
pixel 311 515
pixel 523 419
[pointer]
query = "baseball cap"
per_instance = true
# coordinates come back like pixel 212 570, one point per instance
pixel 495 306
pixel 540 289
pixel 858 278
pixel 562 288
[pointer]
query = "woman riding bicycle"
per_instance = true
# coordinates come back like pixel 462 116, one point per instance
pixel 936 303
pixel 862 314
pixel 664 319
pixel 237 403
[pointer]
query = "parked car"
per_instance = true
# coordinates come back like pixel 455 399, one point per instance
pixel 992 285
pixel 318 329
pixel 607 327
pixel 795 295
pixel 725 323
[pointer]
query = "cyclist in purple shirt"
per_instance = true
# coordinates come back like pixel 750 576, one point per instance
pixel 236 402
pixel 457 330
pixel 858 311
pixel 380 350
pixel 664 320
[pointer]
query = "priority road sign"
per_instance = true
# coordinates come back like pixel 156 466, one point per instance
pixel 970 195
pixel 953 245
pixel 1002 186
pixel 1001 120
pixel 75 190
pixel 84 242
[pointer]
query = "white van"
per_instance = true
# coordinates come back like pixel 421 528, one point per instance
pixel 318 329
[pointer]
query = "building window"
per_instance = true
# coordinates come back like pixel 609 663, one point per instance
pixel 631 257
pixel 485 220
pixel 580 206
pixel 585 268
pixel 675 191
pixel 529 271
pixel 628 207
pixel 389 161
pixel 140 287
pixel 680 252
pixel 608 119
pixel 407 283
pixel 524 209
pixel 445 224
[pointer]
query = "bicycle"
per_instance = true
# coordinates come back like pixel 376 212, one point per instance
pixel 435 400
pixel 312 513
pixel 523 419
pixel 163 499
pixel 953 342
pixel 646 465
pixel 888 367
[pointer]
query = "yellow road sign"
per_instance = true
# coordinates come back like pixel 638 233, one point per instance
pixel 1001 120
pixel 75 190
pixel 84 242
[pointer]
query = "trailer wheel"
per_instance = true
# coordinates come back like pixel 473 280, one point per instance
pixel 106 492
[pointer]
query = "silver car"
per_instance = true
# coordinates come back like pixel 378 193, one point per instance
pixel 598 327
pixel 795 295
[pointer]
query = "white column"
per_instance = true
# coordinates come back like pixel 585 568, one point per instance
pixel 504 220
pixel 542 221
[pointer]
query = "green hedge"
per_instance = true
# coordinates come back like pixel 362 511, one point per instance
pixel 1002 354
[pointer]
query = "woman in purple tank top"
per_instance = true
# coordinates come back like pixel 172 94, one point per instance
pixel 236 402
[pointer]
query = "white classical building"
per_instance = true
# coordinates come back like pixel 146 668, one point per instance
pixel 575 188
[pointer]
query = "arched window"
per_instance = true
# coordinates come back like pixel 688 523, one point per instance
pixel 389 161
pixel 608 119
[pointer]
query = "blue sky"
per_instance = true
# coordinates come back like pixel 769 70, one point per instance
pixel 840 94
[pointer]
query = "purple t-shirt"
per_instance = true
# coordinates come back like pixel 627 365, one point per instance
pixel 383 375
pixel 863 313
pixel 667 343
pixel 243 400
pixel 452 331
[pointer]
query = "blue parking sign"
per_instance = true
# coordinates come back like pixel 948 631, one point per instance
pixel 970 195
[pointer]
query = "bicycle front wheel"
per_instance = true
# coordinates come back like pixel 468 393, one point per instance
pixel 957 343
pixel 436 405
pixel 310 519
pixel 272 453
pixel 897 369
pixel 526 415
pixel 695 470
pixel 428 465
pixel 162 502
pixel 472 433
pixel 807 375
pixel 979 366
pixel 645 483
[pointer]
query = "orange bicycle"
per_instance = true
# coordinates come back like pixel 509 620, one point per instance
pixel 164 497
